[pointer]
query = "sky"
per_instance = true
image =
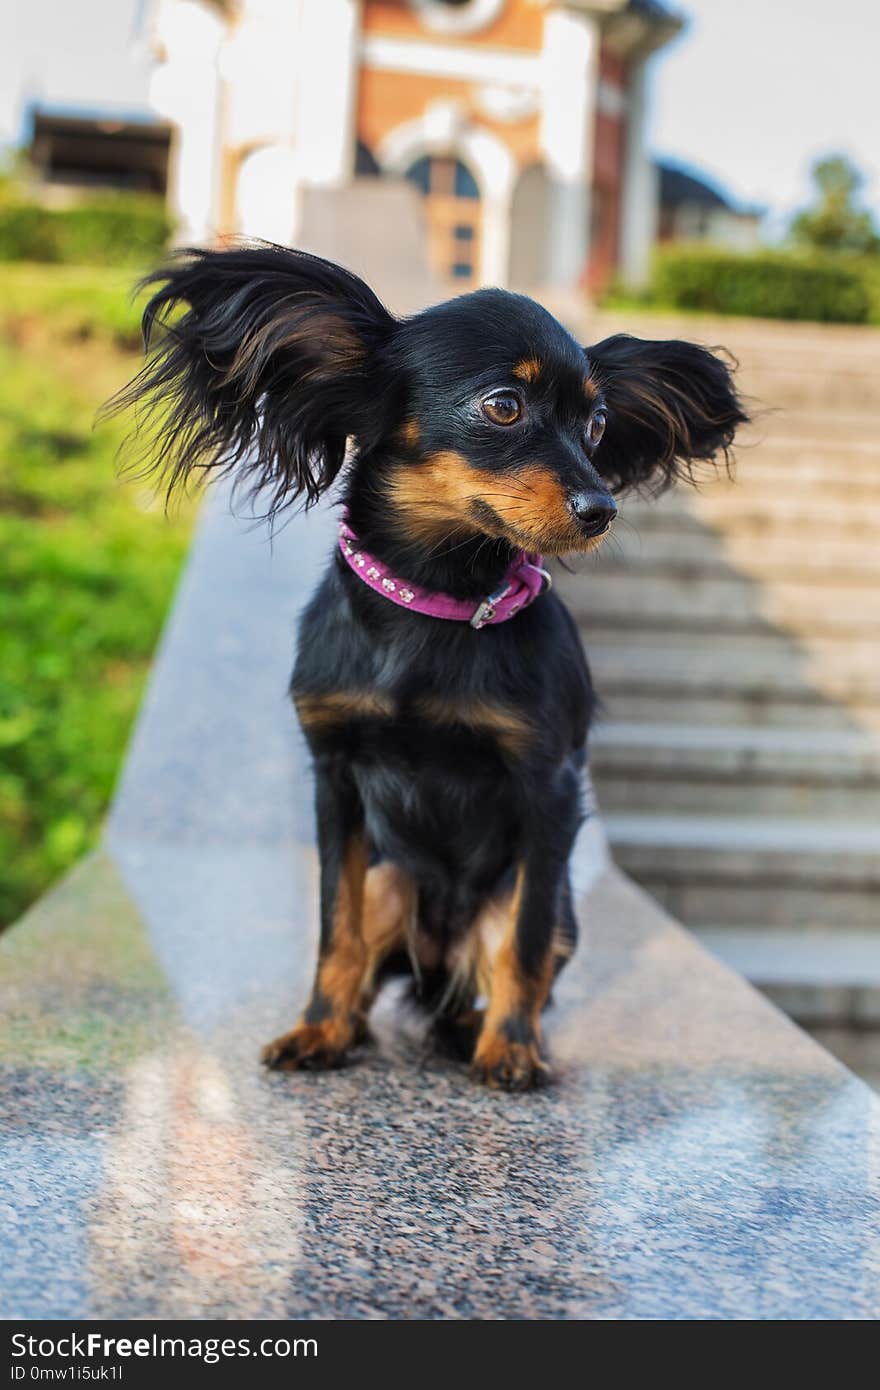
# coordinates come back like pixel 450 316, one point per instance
pixel 76 52
pixel 755 90
pixel 751 93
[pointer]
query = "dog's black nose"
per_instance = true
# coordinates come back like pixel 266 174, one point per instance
pixel 594 510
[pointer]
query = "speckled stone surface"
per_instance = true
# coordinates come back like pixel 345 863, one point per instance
pixel 698 1157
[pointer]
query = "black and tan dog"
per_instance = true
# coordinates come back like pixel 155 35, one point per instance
pixel 448 750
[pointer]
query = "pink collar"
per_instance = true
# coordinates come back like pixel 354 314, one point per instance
pixel 524 581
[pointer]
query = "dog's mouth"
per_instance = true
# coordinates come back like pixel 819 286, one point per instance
pixel 581 545
pixel 538 533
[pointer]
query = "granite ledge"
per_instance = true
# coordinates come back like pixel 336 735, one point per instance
pixel 697 1157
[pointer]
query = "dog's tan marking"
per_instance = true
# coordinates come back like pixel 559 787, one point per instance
pixel 529 369
pixel 532 507
pixel 374 914
pixel 389 923
pixel 508 1051
pixel 333 1021
pixel 506 726
pixel 342 970
pixel 341 706
pixel 434 497
pixel 444 496
pixel 410 433
pixel 591 389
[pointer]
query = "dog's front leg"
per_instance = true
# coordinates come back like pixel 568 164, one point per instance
pixel 333 1019
pixel 508 1051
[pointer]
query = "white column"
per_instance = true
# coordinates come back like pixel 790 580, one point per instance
pixel 569 63
pixel 185 90
pixel 326 91
pixel 267 195
pixel 494 168
pixel 640 184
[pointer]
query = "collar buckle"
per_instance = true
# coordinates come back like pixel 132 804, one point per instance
pixel 485 611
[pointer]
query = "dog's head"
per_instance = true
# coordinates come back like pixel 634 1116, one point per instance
pixel 480 416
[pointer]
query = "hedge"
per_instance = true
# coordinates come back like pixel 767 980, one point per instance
pixel 773 285
pixel 108 230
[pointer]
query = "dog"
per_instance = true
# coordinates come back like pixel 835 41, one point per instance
pixel 440 685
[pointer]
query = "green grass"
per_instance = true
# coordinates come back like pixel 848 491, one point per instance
pixel 89 564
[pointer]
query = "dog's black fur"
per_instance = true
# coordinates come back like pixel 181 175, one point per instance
pixel 448 760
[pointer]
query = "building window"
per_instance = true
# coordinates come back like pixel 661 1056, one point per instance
pixel 457 16
pixel 452 207
pixel 101 153
pixel 366 164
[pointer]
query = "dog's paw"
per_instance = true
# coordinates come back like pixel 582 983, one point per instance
pixel 509 1066
pixel 309 1047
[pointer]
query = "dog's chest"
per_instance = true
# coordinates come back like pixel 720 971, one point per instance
pixel 369 719
pixel 437 776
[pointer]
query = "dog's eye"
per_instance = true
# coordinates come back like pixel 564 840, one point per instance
pixel 596 427
pixel 502 407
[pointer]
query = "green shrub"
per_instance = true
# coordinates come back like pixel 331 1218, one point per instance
pixel 89 565
pixel 774 285
pixel 869 269
pixel 114 231
pixel 121 229
pixel 28 233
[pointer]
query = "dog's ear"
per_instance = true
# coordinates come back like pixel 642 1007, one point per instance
pixel 670 405
pixel 261 361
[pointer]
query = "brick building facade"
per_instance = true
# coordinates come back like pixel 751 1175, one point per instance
pixel 521 123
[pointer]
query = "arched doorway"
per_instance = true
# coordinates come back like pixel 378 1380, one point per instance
pixel 529 219
pixel 452 214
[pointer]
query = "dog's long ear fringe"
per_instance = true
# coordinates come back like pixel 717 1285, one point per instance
pixel 671 406
pixel 259 364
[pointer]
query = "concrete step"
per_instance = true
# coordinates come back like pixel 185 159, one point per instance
pixel 783 460
pixel 850 386
pixel 763 679
pixel 839 958
pixel 711 604
pixel 757 472
pixel 785 879
pixel 815 442
pixel 763 513
pixel 830 429
pixel 672 549
pixel 799 365
pixel 765 906
pixel 776 850
pixel 813 484
pixel 763 710
pixel 781 341
pixel 663 768
pixel 819 977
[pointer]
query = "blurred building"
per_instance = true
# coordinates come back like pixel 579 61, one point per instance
pixel 98 150
pixel 692 209
pixel 520 122
pixel 74 93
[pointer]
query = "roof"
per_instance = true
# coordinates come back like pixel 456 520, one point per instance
pixel 678 186
pixel 638 27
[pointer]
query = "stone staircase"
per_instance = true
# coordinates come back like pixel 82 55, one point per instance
pixel 734 634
